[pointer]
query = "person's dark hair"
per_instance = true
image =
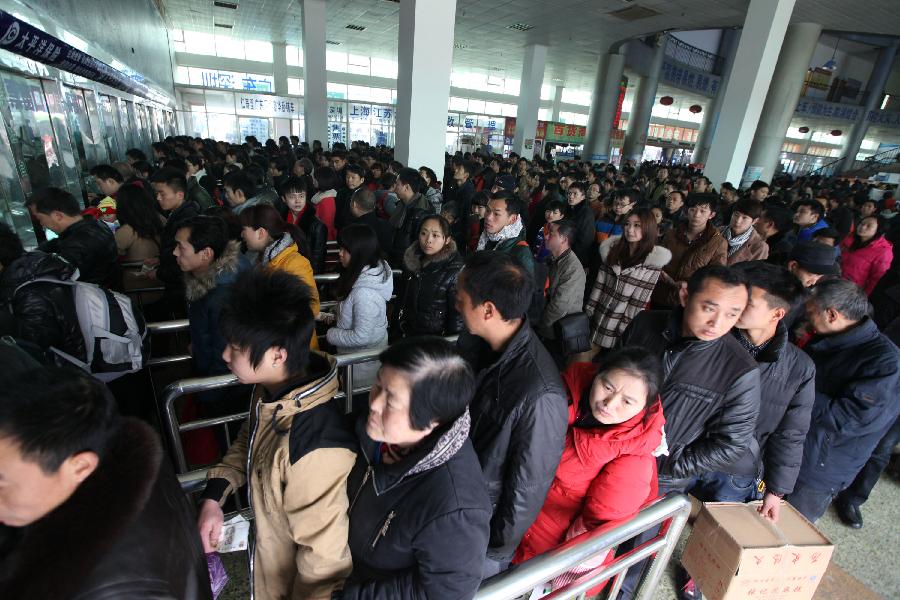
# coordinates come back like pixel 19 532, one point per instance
pixel 578 185
pixel 441 382
pixel 135 154
pixel 361 242
pixel 621 254
pixel 387 181
pixel 495 277
pixel 758 184
pixel 782 218
pixel 266 216
pixel 326 178
pixel 10 246
pixel 135 207
pixel 702 199
pixel 298 185
pixel 196 160
pixel 106 172
pixel 364 199
pixel 412 178
pixel 513 204
pixel 443 223
pixel 431 175
pixel 49 199
pixel 52 413
pixel 239 180
pixel 725 275
pixel 358 170
pixel 782 288
pixel 481 199
pixel 556 206
pixel 842 295
pixel 565 228
pixel 882 226
pixel 269 308
pixel 207 232
pixel 637 362
pixel 814 207
pixel 161 147
pixel 395 165
pixel 142 169
pixel 749 207
pixel 469 167
pixel 173 178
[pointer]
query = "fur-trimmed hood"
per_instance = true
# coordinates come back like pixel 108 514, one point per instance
pixel 222 271
pixel 414 260
pixel 658 257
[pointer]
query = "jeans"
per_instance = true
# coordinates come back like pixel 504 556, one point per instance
pixel 722 487
pixel 811 503
pixel 859 490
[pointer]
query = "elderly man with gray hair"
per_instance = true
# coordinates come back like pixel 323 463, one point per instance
pixel 857 393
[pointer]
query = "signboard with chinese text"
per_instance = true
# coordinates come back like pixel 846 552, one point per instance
pixel 686 78
pixel 268 106
pixel 623 87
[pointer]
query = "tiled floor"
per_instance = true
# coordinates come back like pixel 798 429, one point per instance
pixel 869 554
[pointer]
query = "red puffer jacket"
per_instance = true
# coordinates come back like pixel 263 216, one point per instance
pixel 865 266
pixel 606 473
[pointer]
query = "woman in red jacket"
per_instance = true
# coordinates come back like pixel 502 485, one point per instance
pixel 866 255
pixel 608 470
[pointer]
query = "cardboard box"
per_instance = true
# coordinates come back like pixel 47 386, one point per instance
pixel 735 554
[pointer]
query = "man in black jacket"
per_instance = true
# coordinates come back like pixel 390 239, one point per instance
pixel 86 243
pixel 519 410
pixel 582 217
pixel 408 216
pixel 362 209
pixel 91 491
pixel 170 188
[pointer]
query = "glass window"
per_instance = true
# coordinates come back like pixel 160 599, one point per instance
pixel 509 110
pixel 228 47
pixel 546 92
pixel 196 123
pixel 220 102
pixel 580 97
pixel 358 92
pixel 199 43
pixel 295 86
pixel 794 132
pixel 294 56
pixel 255 126
pixel 511 86
pixel 493 108
pixel 382 67
pixel 545 114
pixel 336 61
pixel 181 75
pixel 336 90
pixel 457 103
pixel 256 50
pixel 381 95
pixel 476 105
pixel 358 64
pixel 223 127
pixel 177 35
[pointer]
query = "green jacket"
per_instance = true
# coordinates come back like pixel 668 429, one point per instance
pixel 517 248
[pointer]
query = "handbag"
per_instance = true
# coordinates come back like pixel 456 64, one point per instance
pixel 574 333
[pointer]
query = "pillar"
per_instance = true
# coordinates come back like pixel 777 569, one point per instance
pixel 745 92
pixel 279 72
pixel 604 101
pixel 727 50
pixel 557 103
pixel 315 98
pixel 874 91
pixel 424 53
pixel 529 99
pixel 781 99
pixel 639 119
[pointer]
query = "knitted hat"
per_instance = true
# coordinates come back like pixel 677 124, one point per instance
pixel 107 206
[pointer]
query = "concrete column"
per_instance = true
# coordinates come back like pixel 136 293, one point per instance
pixel 425 53
pixel 279 73
pixel 754 63
pixel 727 50
pixel 529 99
pixel 781 100
pixel 557 103
pixel 639 120
pixel 315 99
pixel 603 106
pixel 874 91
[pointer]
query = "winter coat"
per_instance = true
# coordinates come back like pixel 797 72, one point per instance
pixel 168 271
pixel 865 266
pixel 583 218
pixel 325 210
pixel 362 318
pixel 197 193
pixel 857 401
pixel 606 473
pixel 519 415
pixel 429 292
pixel 90 246
pixel 780 246
pixel 433 195
pixel 565 293
pixel 284 256
pixel 43 313
pixel 755 248
pixel 263 196
pixel 787 391
pixel 127 531
pixel 316 234
pixel 618 294
pixel 406 222
pixel 300 449
pixel 383 230
pixel 418 527
pixel 343 216
pixel 710 396
pixel 710 248
pixel 132 247
pixel 805 234
pixel 205 294
pixel 517 248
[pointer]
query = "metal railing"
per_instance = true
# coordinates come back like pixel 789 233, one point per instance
pixel 694 57
pixel 671 513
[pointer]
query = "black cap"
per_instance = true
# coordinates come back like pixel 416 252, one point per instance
pixel 815 257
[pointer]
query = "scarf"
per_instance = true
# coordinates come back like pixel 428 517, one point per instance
pixel 275 248
pixel 510 231
pixel 735 243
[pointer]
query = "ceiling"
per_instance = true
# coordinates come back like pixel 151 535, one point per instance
pixel 576 31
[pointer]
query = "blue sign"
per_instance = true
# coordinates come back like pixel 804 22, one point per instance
pixel 690 79
pixel 829 110
pixel 26 40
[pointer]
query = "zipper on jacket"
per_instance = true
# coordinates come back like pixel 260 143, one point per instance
pixel 249 470
pixel 359 490
pixel 384 528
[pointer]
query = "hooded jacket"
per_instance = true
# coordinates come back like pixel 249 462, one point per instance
pixel 43 313
pixel 418 527
pixel 710 248
pixel 283 255
pixel 429 292
pixel 867 265
pixel 362 315
pixel 324 201
pixel 91 246
pixel 294 454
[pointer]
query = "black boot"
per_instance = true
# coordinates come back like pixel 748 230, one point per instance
pixel 849 514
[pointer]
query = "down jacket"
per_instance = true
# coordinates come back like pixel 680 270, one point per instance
pixel 316 234
pixel 43 313
pixel 91 246
pixel 429 292
pixel 867 265
pixel 687 258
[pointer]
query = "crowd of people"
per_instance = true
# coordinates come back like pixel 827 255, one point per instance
pixel 622 333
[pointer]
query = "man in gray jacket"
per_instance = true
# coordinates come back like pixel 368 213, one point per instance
pixel 566 291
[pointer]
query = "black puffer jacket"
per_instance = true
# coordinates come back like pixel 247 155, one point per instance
pixel 429 292
pixel 519 420
pixel 405 222
pixel 317 236
pixel 710 396
pixel 91 246
pixel 43 313
pixel 127 532
pixel 418 527
pixel 584 244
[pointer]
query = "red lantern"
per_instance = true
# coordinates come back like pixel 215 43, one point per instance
pixel 803 129
pixel 666 100
pixel 695 108
pixel 836 132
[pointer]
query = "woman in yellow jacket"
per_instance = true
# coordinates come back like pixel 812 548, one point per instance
pixel 281 246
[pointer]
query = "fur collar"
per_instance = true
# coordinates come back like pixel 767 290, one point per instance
pixel 414 260
pixel 198 286
pixel 54 556
pixel 658 257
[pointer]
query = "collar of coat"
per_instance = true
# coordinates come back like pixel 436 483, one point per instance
pixel 772 352
pixel 415 260
pixel 317 386
pixel 673 337
pixel 859 334
pixel 658 257
pixel 708 234
pixel 198 286
pixel 54 555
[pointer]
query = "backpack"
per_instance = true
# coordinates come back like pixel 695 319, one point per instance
pixel 115 334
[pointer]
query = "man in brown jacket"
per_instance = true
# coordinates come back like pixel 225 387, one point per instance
pixel 744 242
pixel 694 243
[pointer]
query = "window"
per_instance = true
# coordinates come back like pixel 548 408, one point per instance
pixel 579 97
pixel 459 103
pixel 546 92
pixel 512 86
pixel 382 67
pixel 493 108
pixel 261 51
pixel 295 86
pixel 336 90
pixel 476 106
pixel 181 75
pixel 227 47
pixel 381 95
pixel 358 64
pixel 794 132
pixel 199 43
pixel 545 114
pixel 336 61
pixel 294 56
pixel 358 92
pixel 509 110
